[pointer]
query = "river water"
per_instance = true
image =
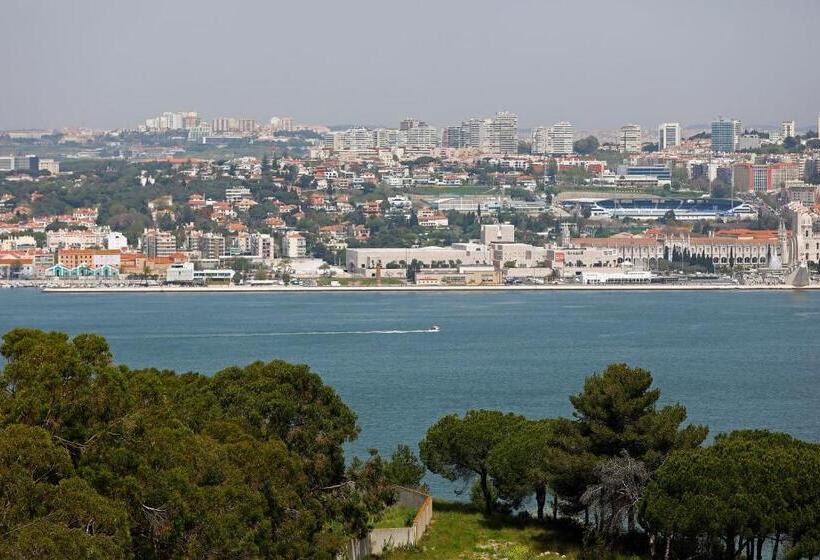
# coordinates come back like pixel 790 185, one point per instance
pixel 734 359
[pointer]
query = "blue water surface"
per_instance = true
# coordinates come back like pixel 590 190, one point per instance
pixel 735 359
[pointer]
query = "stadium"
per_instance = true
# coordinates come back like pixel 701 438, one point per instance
pixel 655 208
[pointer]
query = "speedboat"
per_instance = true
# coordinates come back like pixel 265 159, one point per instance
pixel 435 328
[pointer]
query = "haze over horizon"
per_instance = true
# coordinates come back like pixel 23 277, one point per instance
pixel 597 64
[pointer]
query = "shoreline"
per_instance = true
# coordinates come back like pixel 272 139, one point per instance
pixel 325 289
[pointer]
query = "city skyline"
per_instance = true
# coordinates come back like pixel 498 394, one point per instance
pixel 345 64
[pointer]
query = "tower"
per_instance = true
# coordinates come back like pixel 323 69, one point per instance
pixel 783 243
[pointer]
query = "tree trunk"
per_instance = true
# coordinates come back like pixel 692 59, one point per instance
pixel 776 545
pixel 485 490
pixel 555 506
pixel 652 545
pixel 668 546
pixel 760 541
pixel 730 546
pixel 540 499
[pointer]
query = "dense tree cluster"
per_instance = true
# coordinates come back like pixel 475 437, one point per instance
pixel 99 461
pixel 749 490
pixel 629 470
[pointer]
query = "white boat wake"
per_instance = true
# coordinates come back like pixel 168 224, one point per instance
pixel 266 334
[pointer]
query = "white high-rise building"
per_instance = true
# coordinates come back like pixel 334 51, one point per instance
pixel 474 133
pixel 387 138
pixel 281 123
pixel 503 133
pixel 560 138
pixel 787 129
pixel 631 138
pixel 540 140
pixel 669 136
pixel 422 137
pixel 172 121
pixel 359 139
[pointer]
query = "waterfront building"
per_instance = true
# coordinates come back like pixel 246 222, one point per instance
pixel 496 248
pixel 261 245
pixel 804 244
pixel 745 248
pixel 92 258
pixel 669 136
pixel 293 245
pixel 16 267
pixel 186 273
pixel 211 245
pixel 630 138
pixel 725 133
pixel 158 243
pixel 595 278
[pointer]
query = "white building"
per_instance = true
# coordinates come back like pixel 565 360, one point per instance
pixel 293 245
pixel 788 129
pixel 235 194
pixel 474 133
pixel 497 233
pixel 116 241
pixel 76 239
pixel 50 165
pixel 185 273
pixel 630 139
pixel 261 245
pixel 560 138
pixel 540 136
pixel 669 136
pixel 503 133
pixel 422 137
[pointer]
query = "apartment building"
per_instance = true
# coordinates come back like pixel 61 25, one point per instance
pixel 158 243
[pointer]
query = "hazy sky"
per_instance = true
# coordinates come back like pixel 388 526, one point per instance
pixel 111 63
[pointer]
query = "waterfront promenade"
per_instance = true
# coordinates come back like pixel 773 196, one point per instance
pixel 516 288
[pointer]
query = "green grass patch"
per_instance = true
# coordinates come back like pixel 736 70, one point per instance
pixel 396 516
pixel 460 532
